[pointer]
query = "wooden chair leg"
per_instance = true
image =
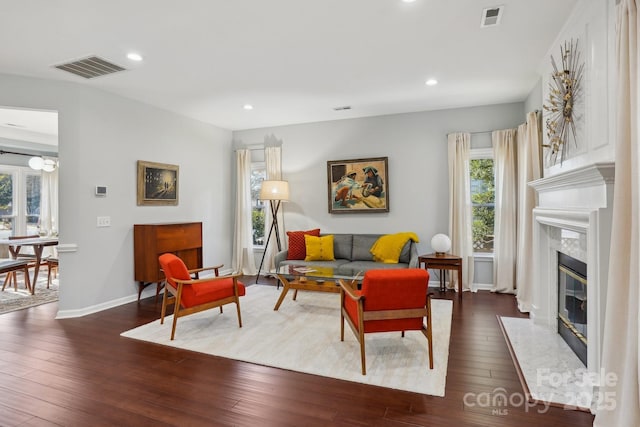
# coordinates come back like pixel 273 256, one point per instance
pixel 27 284
pixel 175 319
pixel 7 279
pixel 164 305
pixel 238 310
pixel 362 354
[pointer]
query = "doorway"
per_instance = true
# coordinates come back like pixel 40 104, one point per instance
pixel 29 193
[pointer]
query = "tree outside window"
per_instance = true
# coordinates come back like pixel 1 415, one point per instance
pixel 258 174
pixel 33 185
pixel 483 204
pixel 6 205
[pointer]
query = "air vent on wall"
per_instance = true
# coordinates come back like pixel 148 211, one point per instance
pixel 90 67
pixel 491 16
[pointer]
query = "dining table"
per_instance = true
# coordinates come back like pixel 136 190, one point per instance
pixel 37 243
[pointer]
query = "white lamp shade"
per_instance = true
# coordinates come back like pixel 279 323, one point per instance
pixel 441 243
pixel 274 190
pixel 36 163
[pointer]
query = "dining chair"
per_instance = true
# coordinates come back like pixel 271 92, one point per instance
pixel 389 300
pixel 189 295
pixel 10 267
pixel 52 269
pixel 31 258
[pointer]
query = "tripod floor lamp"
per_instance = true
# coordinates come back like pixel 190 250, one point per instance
pixel 275 192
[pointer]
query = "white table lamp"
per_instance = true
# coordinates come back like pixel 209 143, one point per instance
pixel 441 243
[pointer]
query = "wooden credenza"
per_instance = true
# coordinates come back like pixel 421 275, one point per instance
pixel 152 240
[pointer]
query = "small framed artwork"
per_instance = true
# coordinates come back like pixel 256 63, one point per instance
pixel 358 185
pixel 157 184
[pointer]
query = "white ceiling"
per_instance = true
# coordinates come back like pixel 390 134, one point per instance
pixel 293 60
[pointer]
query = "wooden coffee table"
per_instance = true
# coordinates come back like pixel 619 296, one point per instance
pixel 316 279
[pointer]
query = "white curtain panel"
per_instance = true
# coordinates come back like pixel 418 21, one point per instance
pixel 529 169
pixel 620 340
pixel 49 208
pixel 243 260
pixel 506 202
pixel 460 216
pixel 273 164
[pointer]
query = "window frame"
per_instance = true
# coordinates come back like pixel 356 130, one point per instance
pixel 258 165
pixel 20 226
pixel 481 154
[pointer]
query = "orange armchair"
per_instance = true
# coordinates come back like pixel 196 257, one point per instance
pixel 193 295
pixel 390 300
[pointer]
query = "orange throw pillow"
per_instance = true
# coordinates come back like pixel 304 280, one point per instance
pixel 297 246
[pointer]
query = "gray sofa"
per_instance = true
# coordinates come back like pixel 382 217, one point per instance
pixel 353 251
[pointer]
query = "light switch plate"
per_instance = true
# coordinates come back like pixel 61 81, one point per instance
pixel 104 221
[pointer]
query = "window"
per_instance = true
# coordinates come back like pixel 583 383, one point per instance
pixel 32 213
pixel 6 205
pixel 482 200
pixel 19 201
pixel 258 174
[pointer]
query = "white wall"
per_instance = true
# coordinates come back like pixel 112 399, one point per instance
pixel 534 100
pixel 589 24
pixel 101 138
pixel 416 144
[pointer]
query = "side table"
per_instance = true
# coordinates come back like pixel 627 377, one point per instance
pixel 443 262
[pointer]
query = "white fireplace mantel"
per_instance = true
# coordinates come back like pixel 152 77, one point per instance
pixel 586 176
pixel 579 200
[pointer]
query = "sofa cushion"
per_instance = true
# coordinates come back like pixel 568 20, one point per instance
pixel 334 264
pixel 405 254
pixel 297 246
pixel 342 245
pixel 319 248
pixel 371 265
pixel 362 243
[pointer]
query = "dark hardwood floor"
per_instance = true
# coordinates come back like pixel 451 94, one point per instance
pixel 80 372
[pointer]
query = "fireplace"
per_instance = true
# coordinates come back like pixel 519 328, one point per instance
pixel 573 217
pixel 572 304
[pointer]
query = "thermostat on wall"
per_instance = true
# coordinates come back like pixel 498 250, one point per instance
pixel 101 191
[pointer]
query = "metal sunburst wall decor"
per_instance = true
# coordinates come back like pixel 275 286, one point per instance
pixel 564 91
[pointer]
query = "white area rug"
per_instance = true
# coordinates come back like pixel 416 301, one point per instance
pixel 551 370
pixel 304 336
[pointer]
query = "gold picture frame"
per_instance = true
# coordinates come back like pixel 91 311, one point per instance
pixel 358 185
pixel 157 184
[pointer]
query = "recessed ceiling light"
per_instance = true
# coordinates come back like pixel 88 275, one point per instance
pixel 431 82
pixel 408 1
pixel 134 56
pixel 247 107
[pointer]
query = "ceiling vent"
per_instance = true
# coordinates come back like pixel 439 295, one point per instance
pixel 90 67
pixel 491 16
pixel 346 107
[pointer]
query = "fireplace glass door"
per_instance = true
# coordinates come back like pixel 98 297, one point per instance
pixel 572 304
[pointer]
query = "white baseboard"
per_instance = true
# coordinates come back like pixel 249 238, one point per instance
pixel 149 291
pixel 482 286
pixel 67 314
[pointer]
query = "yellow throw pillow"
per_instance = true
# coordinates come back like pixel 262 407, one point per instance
pixel 387 248
pixel 319 248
